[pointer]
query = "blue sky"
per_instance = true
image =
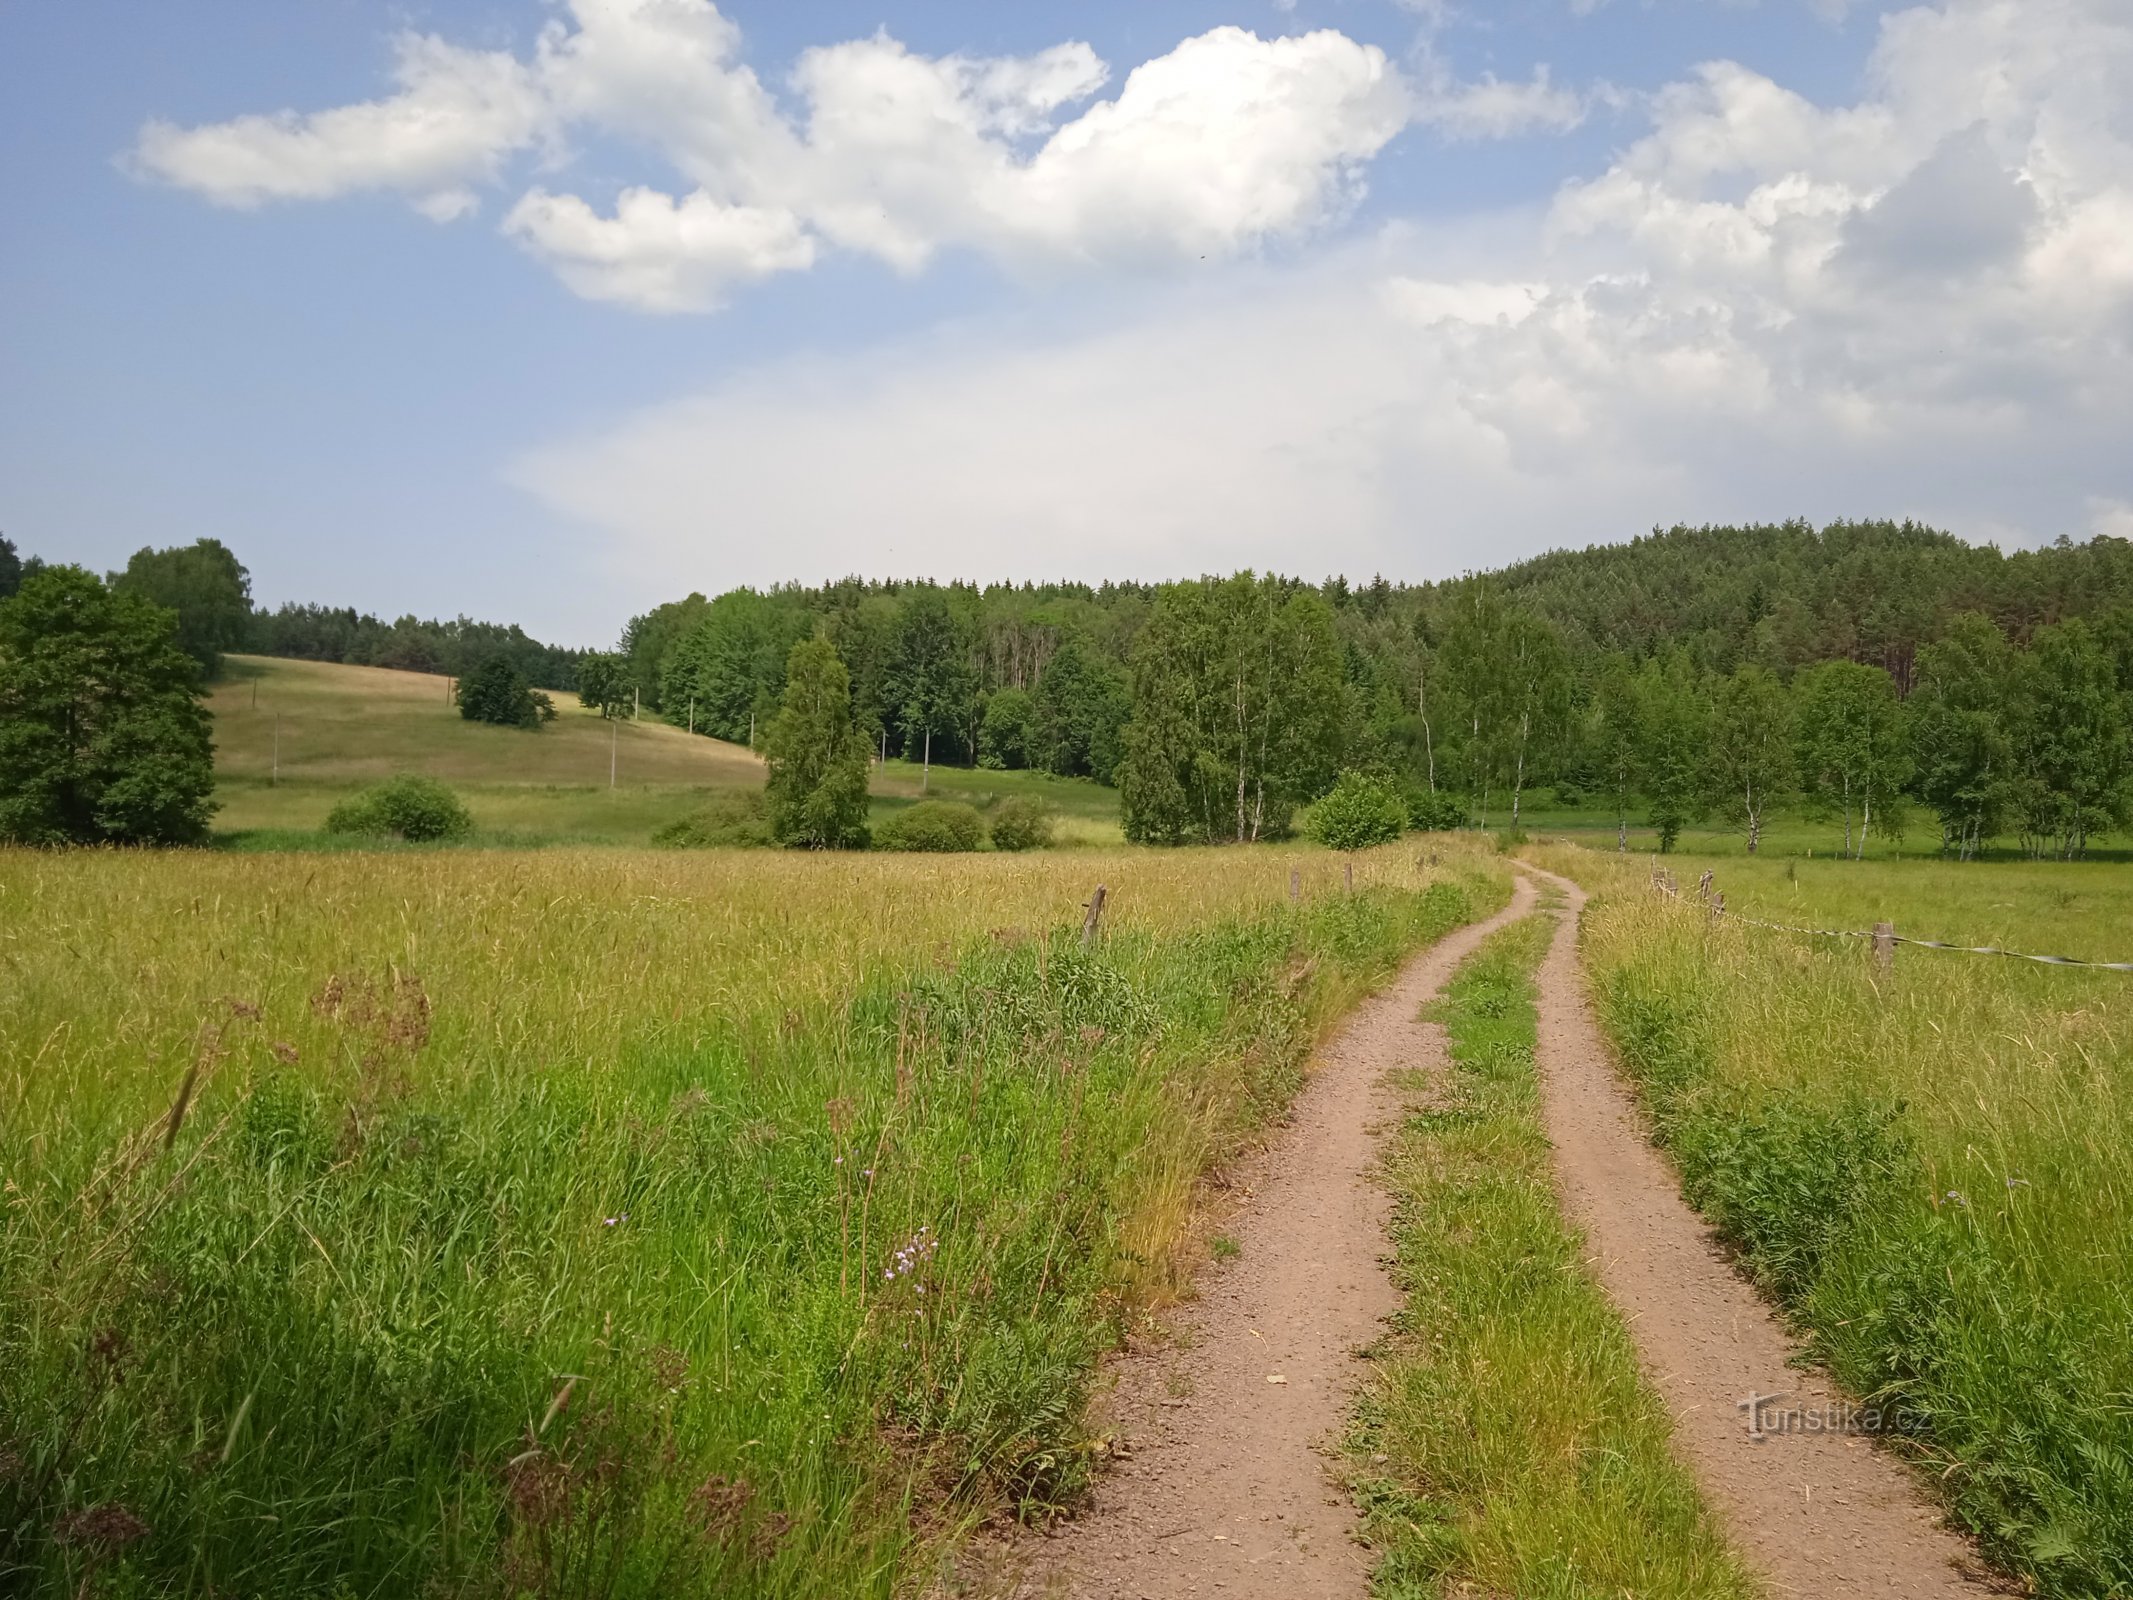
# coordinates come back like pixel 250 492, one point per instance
pixel 918 288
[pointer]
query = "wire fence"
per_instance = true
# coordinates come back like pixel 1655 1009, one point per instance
pixel 1884 938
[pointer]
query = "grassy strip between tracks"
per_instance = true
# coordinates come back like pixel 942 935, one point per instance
pixel 1509 1444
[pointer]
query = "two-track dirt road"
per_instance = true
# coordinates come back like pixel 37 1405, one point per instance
pixel 1223 1486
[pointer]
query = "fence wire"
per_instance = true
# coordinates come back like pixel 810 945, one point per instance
pixel 1665 885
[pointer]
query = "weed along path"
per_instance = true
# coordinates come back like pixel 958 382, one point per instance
pixel 1221 1487
pixel 1816 1510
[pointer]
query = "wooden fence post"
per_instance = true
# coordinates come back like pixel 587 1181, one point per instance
pixel 1095 916
pixel 1885 946
pixel 1296 884
pixel 1703 884
pixel 1718 907
pixel 1348 875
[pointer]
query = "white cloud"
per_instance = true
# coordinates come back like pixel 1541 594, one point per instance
pixel 656 254
pixel 1214 148
pixel 457 114
pixel 1919 303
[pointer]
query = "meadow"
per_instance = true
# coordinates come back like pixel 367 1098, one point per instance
pixel 612 1222
pixel 294 737
pixel 1928 1168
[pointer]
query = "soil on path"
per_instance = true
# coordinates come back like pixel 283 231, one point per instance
pixel 1822 1514
pixel 1222 1486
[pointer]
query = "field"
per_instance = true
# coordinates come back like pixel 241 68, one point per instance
pixel 1929 1169
pixel 612 1222
pixel 342 727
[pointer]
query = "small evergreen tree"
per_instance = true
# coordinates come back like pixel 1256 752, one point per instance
pixel 103 739
pixel 10 568
pixel 495 692
pixel 818 762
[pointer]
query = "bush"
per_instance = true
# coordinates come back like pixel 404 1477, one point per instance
pixel 418 810
pixel 932 825
pixel 736 821
pixel 1021 822
pixel 1359 811
pixel 1436 811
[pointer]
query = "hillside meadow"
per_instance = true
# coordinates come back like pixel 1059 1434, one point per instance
pixel 1928 1168
pixel 342 727
pixel 610 1222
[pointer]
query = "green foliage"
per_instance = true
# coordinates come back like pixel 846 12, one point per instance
pixel 606 684
pixel 10 568
pixel 932 825
pixel 1960 752
pixel 2072 760
pixel 1079 715
pixel 1852 753
pixel 1751 762
pixel 1360 810
pixel 739 819
pixel 1238 712
pixel 1673 720
pixel 103 739
pixel 207 588
pixel 929 685
pixel 495 692
pixel 1005 738
pixel 417 809
pixel 817 790
pixel 1022 822
pixel 727 671
pixel 1437 813
pixel 1506 680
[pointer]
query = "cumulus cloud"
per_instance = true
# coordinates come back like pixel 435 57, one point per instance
pixel 1223 143
pixel 1919 302
pixel 457 114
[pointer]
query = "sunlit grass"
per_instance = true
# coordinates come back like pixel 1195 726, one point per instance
pixel 1929 1168
pixel 612 1222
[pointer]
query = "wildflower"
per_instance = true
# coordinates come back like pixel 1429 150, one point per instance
pixel 1957 1196
pixel 611 1221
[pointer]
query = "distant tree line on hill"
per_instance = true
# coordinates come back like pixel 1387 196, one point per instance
pixel 210 592
pixel 1689 672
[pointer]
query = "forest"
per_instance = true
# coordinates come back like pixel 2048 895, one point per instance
pixel 1866 671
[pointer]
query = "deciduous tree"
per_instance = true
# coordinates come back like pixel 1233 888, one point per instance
pixel 1751 761
pixel 204 584
pixel 103 739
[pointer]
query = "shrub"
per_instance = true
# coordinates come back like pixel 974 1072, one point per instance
pixel 1436 811
pixel 736 821
pixel 1021 822
pixel 932 825
pixel 418 810
pixel 1359 811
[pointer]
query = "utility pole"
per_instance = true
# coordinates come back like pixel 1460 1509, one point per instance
pixel 636 703
pixel 255 694
pixel 614 735
pixel 692 713
pixel 276 781
pixel 925 775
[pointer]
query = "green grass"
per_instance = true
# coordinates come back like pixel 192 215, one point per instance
pixel 343 727
pixel 1930 1170
pixel 609 1223
pixel 1508 1444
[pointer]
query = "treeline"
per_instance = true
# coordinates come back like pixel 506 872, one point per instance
pixel 1657 677
pixel 210 592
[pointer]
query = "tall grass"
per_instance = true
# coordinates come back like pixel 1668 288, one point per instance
pixel 608 1223
pixel 1930 1170
pixel 1509 1444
